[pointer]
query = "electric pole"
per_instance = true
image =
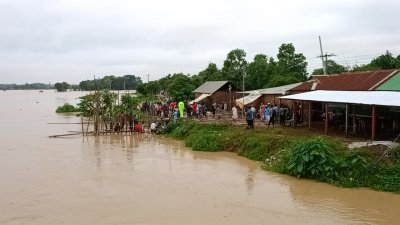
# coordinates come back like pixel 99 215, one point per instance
pixel 322 56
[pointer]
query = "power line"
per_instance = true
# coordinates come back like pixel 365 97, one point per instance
pixel 322 56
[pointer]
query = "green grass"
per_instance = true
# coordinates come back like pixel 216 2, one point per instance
pixel 294 152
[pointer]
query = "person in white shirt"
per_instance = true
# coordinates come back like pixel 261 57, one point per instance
pixel 234 113
pixel 153 127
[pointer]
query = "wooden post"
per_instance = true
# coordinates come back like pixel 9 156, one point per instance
pixel 347 120
pixel 309 115
pixel 373 123
pixel 83 133
pixel 294 113
pixel 326 118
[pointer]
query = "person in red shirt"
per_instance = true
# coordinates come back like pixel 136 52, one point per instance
pixel 195 109
pixel 138 127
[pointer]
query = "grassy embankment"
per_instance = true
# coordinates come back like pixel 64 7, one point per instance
pixel 295 152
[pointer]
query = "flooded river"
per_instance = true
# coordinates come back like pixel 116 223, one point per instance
pixel 148 179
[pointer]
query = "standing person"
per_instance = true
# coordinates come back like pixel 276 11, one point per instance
pixel 253 110
pixel 273 116
pixel 195 109
pixel 249 118
pixel 276 113
pixel 214 108
pixel 153 127
pixel 267 114
pixel 282 112
pixel 175 114
pixel 234 113
pixel 262 110
pixel 181 106
pixel 200 110
pixel 204 110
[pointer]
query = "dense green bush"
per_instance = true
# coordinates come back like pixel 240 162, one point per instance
pixel 260 146
pixel 387 178
pixel 182 129
pixel 67 108
pixel 312 158
pixel 204 140
pixel 171 126
pixel 396 154
pixel 294 153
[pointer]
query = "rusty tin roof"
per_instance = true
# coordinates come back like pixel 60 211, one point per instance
pixel 349 81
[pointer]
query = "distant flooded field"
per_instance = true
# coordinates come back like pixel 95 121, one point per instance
pixel 148 179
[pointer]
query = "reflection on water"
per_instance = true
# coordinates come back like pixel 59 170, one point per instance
pixel 145 179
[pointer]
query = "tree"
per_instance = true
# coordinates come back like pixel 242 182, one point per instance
pixel 398 61
pixel 151 87
pixel 61 86
pixel 259 72
pixel 385 61
pixel 211 73
pixel 331 68
pixel 279 80
pixel 180 87
pixel 291 63
pixel 235 66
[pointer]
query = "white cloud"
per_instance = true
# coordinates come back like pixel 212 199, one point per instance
pixel 71 40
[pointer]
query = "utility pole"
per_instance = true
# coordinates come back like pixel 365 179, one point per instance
pixel 322 56
pixel 148 78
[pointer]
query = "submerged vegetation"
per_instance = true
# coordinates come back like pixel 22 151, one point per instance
pixel 295 153
pixel 67 108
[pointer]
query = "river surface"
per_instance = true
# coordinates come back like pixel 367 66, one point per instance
pixel 145 179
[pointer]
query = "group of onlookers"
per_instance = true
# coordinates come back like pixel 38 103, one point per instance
pixel 270 113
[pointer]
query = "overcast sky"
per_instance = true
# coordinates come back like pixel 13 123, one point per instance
pixel 73 40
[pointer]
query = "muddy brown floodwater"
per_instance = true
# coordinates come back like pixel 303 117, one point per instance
pixel 148 179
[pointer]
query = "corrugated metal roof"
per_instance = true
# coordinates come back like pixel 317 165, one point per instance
pixel 210 87
pixel 384 98
pixel 281 90
pixel 248 99
pixel 349 81
pixel 393 84
pixel 198 99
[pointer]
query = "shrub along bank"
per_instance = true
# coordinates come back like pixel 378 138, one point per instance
pixel 294 152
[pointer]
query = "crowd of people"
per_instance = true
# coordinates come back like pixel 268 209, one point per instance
pixel 269 113
pixel 165 112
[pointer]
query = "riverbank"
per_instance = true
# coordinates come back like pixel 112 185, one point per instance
pixel 295 152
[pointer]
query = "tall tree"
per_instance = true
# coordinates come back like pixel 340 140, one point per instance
pixel 398 61
pixel 235 66
pixel 180 87
pixel 259 72
pixel 331 68
pixel 291 63
pixel 385 61
pixel 211 73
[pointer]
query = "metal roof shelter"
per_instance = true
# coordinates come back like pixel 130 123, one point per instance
pixel 210 87
pixel 248 99
pixel 372 98
pixel 198 99
pixel 393 84
pixel 281 90
pixel 348 81
pixel 384 98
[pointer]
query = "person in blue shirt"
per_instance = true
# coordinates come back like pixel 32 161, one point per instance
pixel 267 114
pixel 175 114
pixel 249 118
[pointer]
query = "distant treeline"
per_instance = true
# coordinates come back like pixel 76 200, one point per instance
pixel 33 86
pixel 126 82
